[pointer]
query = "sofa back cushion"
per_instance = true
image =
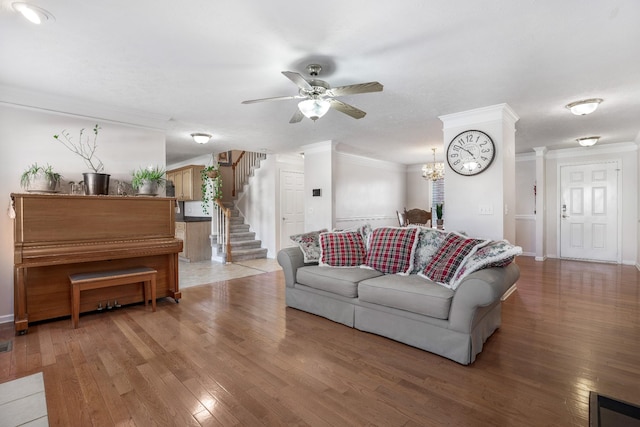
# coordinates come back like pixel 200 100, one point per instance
pixel 391 250
pixel 342 249
pixel 452 254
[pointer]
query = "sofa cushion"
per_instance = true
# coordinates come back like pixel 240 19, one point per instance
pixel 452 254
pixel 342 249
pixel 309 244
pixel 429 241
pixel 340 281
pixel 391 250
pixel 410 293
pixel 495 254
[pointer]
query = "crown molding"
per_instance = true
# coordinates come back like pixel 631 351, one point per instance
pixel 32 100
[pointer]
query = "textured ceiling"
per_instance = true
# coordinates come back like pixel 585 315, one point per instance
pixel 187 66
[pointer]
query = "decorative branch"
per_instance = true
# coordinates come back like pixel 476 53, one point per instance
pixel 85 149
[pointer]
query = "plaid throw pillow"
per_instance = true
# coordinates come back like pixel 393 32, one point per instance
pixel 342 249
pixel 391 250
pixel 495 254
pixel 452 254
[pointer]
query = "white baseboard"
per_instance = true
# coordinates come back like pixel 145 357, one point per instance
pixel 7 318
pixel 541 258
pixel 509 291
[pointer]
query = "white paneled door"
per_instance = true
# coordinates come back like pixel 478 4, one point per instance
pixel 291 206
pixel 589 212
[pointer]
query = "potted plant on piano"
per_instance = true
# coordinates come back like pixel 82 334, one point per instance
pixel 40 179
pixel 439 221
pixel 95 182
pixel 147 181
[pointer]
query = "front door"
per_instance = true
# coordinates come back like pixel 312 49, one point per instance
pixel 291 206
pixel 589 211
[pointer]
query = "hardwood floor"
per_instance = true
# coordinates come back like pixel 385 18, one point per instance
pixel 230 353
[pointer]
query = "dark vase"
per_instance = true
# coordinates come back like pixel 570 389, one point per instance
pixel 96 183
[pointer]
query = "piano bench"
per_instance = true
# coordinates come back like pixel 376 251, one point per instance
pixel 105 279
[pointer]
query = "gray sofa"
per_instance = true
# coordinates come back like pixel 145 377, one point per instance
pixel 409 309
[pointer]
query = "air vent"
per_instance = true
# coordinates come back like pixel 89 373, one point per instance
pixel 5 346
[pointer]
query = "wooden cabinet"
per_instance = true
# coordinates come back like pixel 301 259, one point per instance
pixel 196 245
pixel 187 182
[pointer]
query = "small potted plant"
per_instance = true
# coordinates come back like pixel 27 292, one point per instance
pixel 211 186
pixel 95 182
pixel 439 220
pixel 40 179
pixel 147 181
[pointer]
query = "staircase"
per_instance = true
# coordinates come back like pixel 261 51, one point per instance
pixel 239 241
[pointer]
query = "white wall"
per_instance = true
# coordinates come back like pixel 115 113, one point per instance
pixel 26 136
pixel 525 206
pixel 318 173
pixel 418 194
pixel 367 191
pixel 638 207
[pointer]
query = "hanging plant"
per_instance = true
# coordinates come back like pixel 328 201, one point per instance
pixel 211 187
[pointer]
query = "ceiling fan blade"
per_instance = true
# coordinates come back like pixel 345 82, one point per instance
pixel 277 98
pixel 297 117
pixel 298 80
pixel 347 109
pixel 354 89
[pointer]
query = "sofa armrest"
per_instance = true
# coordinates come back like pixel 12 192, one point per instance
pixel 480 289
pixel 290 259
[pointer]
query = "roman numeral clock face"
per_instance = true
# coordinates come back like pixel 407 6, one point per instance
pixel 471 152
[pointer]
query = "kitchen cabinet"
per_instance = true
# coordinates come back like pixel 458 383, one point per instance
pixel 187 182
pixel 196 245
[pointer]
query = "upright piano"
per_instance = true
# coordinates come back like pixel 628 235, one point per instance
pixel 58 235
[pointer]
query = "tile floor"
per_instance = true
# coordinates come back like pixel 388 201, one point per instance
pixel 204 272
pixel 23 403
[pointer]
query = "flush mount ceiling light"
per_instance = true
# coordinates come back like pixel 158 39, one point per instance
pixel 201 138
pixel 588 141
pixel 314 108
pixel 34 14
pixel 587 106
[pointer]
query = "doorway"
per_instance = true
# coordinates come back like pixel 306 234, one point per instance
pixel 291 206
pixel 589 223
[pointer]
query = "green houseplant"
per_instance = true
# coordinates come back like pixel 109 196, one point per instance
pixel 40 178
pixel 95 182
pixel 147 181
pixel 211 186
pixel 439 221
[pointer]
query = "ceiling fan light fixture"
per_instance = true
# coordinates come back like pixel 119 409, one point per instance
pixel 588 141
pixel 33 14
pixel 584 107
pixel 314 108
pixel 201 138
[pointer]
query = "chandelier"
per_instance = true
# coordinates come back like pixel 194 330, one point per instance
pixel 433 171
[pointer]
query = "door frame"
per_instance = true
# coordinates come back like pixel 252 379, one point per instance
pixel 279 244
pixel 560 165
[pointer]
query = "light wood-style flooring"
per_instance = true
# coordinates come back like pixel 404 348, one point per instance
pixel 230 353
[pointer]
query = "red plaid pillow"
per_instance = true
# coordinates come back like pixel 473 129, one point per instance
pixel 391 249
pixel 344 249
pixel 450 256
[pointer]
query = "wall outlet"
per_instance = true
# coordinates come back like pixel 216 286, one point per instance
pixel 485 210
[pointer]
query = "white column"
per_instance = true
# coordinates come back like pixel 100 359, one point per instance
pixel 541 206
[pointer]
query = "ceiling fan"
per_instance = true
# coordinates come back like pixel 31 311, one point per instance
pixel 319 96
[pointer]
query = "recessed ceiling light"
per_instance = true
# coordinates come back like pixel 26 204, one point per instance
pixel 201 138
pixel 588 141
pixel 587 106
pixel 34 14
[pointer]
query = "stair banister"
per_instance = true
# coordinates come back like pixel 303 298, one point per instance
pixel 224 228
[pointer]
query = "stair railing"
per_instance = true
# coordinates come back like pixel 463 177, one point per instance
pixel 243 168
pixel 223 229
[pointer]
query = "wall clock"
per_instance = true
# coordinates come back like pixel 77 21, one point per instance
pixel 470 152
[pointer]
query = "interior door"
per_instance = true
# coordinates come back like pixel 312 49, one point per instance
pixel 589 211
pixel 291 206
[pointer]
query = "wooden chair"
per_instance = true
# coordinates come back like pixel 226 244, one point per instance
pixel 417 216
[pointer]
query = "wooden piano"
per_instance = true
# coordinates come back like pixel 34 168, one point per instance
pixel 57 235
